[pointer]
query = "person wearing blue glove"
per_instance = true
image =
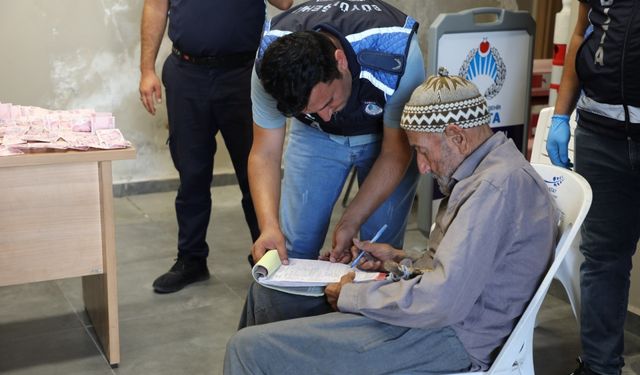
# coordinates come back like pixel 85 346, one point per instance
pixel 558 141
pixel 607 153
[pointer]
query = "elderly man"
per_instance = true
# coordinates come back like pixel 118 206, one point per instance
pixel 493 241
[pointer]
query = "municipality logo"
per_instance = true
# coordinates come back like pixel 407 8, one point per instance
pixel 485 64
pixel 554 183
pixel 372 109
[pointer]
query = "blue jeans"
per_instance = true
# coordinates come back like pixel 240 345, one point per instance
pixel 609 237
pixel 316 166
pixel 339 343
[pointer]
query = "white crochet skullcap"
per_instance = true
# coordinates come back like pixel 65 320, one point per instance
pixel 442 100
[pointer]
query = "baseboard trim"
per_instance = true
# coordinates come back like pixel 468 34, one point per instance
pixel 170 184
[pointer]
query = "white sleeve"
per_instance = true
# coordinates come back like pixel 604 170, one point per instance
pixel 265 110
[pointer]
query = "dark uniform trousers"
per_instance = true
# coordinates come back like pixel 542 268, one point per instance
pixel 202 100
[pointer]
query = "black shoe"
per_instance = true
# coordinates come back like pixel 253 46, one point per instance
pixel 183 273
pixel 582 369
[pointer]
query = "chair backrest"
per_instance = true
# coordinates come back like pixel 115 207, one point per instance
pixel 573 198
pixel 539 150
pixel 569 272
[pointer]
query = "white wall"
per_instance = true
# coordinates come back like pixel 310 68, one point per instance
pixel 66 54
pixel 83 54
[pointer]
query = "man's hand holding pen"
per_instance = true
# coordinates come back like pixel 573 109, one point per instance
pixel 375 254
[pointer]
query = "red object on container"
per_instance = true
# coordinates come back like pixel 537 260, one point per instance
pixel 559 51
pixel 541 77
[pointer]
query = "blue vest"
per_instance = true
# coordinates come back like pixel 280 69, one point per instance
pixel 375 37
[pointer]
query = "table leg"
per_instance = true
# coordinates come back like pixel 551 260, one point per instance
pixel 100 292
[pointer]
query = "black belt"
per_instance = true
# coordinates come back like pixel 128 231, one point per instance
pixel 226 61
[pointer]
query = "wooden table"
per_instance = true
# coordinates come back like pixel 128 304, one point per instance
pixel 56 221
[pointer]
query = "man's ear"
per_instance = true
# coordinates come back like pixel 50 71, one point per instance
pixel 457 137
pixel 341 59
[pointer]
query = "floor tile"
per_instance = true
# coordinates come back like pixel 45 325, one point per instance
pixel 66 352
pixel 188 342
pixel 34 309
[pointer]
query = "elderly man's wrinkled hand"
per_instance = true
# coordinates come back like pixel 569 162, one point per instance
pixel 375 254
pixel 332 291
pixel 367 262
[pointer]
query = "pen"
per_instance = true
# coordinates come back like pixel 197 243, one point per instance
pixel 374 239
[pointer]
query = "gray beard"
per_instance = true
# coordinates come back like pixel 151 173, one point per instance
pixel 443 183
pixel 444 180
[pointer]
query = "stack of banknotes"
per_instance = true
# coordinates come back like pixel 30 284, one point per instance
pixel 27 128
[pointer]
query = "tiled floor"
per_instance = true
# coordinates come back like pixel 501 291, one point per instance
pixel 44 330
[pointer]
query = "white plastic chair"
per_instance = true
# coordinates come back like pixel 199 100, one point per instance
pixel 573 197
pixel 569 272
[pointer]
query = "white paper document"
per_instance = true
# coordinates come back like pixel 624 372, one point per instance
pixel 304 276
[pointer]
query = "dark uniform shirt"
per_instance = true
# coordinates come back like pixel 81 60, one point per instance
pixel 607 66
pixel 216 27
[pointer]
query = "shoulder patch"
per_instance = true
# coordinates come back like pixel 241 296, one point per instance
pixel 388 62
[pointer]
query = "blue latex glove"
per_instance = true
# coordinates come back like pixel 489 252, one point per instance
pixel 558 141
